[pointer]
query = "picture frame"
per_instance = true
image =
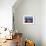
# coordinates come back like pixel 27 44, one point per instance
pixel 28 19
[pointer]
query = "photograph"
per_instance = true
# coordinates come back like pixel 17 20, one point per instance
pixel 28 19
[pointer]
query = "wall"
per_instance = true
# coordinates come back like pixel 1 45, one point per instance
pixel 30 31
pixel 43 22
pixel 6 13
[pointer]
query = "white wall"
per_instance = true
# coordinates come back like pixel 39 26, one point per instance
pixel 29 7
pixel 43 22
pixel 6 13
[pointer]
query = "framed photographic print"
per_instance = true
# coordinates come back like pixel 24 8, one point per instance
pixel 28 19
